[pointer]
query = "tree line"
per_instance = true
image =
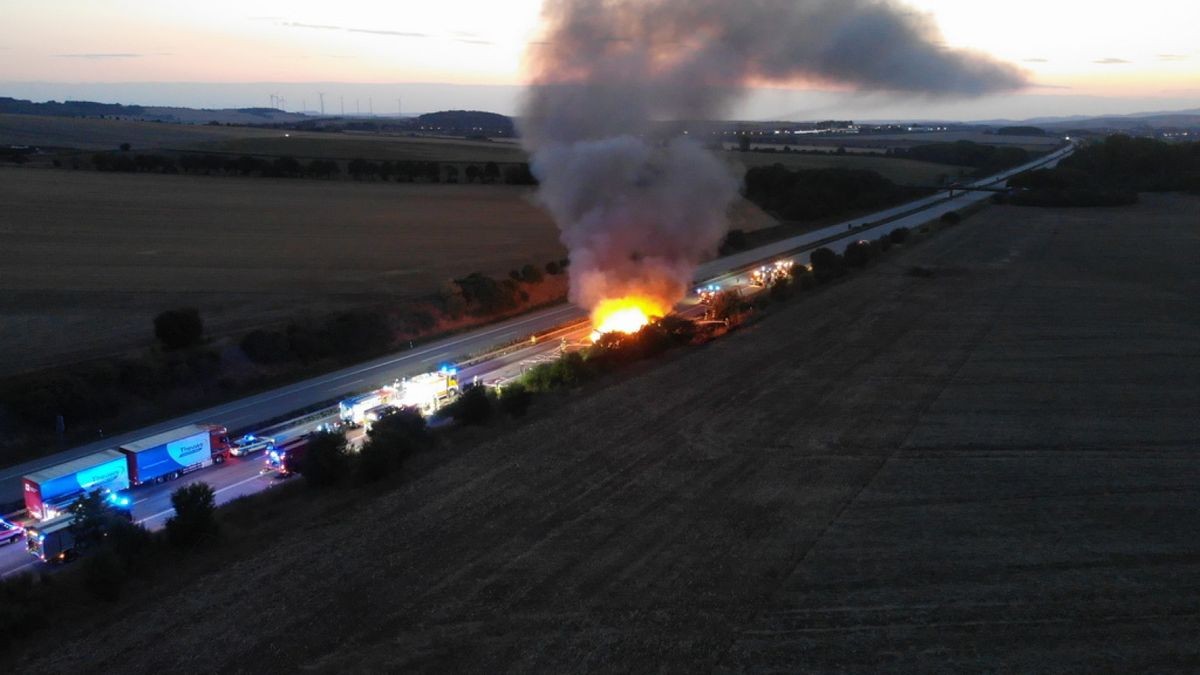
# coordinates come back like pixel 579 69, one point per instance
pixel 400 171
pixel 1111 173
pixel 810 194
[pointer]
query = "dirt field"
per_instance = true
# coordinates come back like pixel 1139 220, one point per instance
pixel 993 469
pixel 87 259
pixel 98 134
pixel 900 171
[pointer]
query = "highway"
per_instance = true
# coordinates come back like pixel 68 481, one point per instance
pixel 478 349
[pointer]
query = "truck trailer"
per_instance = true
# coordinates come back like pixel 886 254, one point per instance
pixel 171 454
pixel 50 491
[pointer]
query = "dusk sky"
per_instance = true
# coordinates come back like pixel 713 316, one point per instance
pixel 1088 58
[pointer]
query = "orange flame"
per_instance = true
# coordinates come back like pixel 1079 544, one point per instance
pixel 625 315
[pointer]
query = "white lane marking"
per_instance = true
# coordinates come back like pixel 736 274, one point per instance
pixel 18 569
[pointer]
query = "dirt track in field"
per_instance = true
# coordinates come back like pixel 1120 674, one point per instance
pixel 993 469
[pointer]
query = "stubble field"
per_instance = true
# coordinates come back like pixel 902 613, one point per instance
pixel 87 259
pixel 994 469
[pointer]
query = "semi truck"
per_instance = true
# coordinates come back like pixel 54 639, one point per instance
pixel 50 491
pixel 171 454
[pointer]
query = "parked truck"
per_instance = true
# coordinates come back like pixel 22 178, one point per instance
pixel 50 491
pixel 171 454
pixel 354 409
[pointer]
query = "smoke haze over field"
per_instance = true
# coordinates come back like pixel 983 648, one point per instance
pixel 638 213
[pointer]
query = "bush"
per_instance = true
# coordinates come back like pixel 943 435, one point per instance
pixel 473 407
pixel 884 243
pixel 326 460
pixel 515 400
pixel 858 253
pixel 179 328
pixel 391 441
pixel 899 235
pixel 194 519
pixel 826 264
pixel 951 218
pixel 552 268
pixel 104 576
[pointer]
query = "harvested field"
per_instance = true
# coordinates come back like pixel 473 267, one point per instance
pixel 899 171
pixel 88 259
pixel 992 469
pixel 370 146
pixel 99 134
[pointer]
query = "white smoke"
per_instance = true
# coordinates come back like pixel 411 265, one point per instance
pixel 637 212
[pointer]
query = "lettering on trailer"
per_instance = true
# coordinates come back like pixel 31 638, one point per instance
pixel 101 475
pixel 189 451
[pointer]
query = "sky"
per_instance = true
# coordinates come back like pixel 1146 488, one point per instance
pixel 1107 58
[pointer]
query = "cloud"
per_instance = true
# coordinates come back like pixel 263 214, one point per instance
pixel 100 56
pixel 318 26
pixel 1036 60
pixel 1110 61
pixel 395 33
pixel 1172 57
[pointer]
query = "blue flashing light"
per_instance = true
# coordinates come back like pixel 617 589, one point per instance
pixel 273 455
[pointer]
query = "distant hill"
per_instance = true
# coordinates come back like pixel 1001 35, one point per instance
pixel 15 106
pixel 467 123
pixel 68 108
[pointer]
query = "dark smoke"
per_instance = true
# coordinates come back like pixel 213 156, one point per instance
pixel 639 211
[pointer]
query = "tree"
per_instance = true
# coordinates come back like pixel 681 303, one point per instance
pixel 726 304
pixel 473 407
pixel 194 519
pixel 858 253
pixel 743 142
pixel 552 268
pixel 898 235
pixel 530 274
pixel 491 172
pixel 390 442
pixel 473 173
pixel 179 328
pixel 125 147
pixel 92 519
pixel 826 264
pixel 326 460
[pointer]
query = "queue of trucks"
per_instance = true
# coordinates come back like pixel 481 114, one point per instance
pixel 50 492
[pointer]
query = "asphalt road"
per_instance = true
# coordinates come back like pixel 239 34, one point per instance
pixel 242 476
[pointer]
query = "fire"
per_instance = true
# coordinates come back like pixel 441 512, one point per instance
pixel 625 315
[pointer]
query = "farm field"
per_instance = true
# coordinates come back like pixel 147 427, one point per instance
pixel 992 469
pixel 899 171
pixel 376 147
pixel 102 134
pixel 87 259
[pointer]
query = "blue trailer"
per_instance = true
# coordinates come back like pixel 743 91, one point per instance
pixel 48 492
pixel 171 454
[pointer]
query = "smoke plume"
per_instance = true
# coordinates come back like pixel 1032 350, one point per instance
pixel 638 211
